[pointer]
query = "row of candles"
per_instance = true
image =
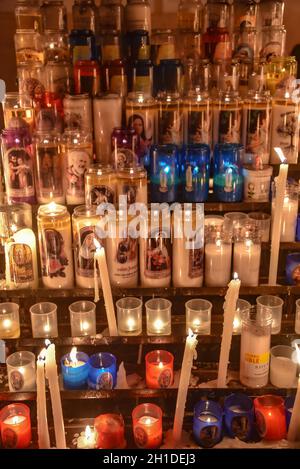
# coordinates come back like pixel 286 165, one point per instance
pixel 267 417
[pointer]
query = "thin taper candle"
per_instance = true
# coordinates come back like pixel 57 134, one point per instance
pixel 42 422
pixel 294 428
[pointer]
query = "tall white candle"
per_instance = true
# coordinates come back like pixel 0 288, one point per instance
pixel 289 219
pixel 246 261
pixel 42 422
pixel 277 216
pixel 294 428
pixel 100 257
pixel 52 376
pixel 107 115
pixel 229 313
pixel 186 368
pixel 217 264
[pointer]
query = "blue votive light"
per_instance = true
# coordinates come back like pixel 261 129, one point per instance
pixel 207 424
pixel 164 173
pixel 289 404
pixel 75 370
pixel 103 371
pixel 298 229
pixel 228 174
pixel 195 173
pixel 239 416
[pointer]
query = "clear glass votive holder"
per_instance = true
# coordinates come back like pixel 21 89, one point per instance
pixel 297 322
pixel 241 305
pixel 207 423
pixel 275 305
pixel 159 369
pixel 147 426
pixel 158 315
pixel 198 316
pixel 283 369
pixel 44 320
pixel 21 372
pixel 270 417
pixel 262 221
pixel 83 318
pixel 239 416
pixel 9 321
pixel 129 312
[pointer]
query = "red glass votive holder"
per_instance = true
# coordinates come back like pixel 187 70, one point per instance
pixel 110 430
pixel 15 426
pixel 147 426
pixel 159 369
pixel 270 417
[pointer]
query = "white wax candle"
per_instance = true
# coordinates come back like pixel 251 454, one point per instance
pixel 246 261
pixel 278 216
pixel 294 428
pixel 107 116
pixel 42 421
pixel 255 350
pixel 187 265
pixel 87 439
pixel 52 376
pixel 122 255
pixel 289 219
pixel 185 375
pixel 100 257
pixel 155 279
pixel 283 372
pixel 229 312
pixel 217 264
pixel 21 261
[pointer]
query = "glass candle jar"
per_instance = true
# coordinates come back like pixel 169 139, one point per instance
pixel 55 240
pixel 56 47
pixel 218 254
pixel 75 370
pixel 49 168
pixel 21 372
pixel 227 111
pixel 100 185
pixel 78 113
pixel 289 212
pixel 147 426
pixel 228 175
pixel 9 321
pixel 18 164
pixel 164 174
pixel 28 15
pixel 283 369
pixel 84 222
pixel 44 320
pixel 279 71
pixel 239 416
pixel 83 319
pixel 15 426
pixel 110 429
pixel 275 304
pixel 85 15
pixel 129 316
pixel 87 77
pixel 54 15
pixel 158 314
pixel 124 148
pixel 111 16
pixel 273 42
pixel 18 106
pixel 29 48
pixel 163 45
pixel 159 369
pixel 272 12
pixel 270 417
pixel 31 83
pixel 235 221
pixel 77 151
pixel 198 118
pixel 246 258
pixel 241 305
pixel 82 45
pixel 207 423
pixel 255 347
pixel 262 222
pixel 107 116
pixel 170 128
pixel 198 316
pixel 132 184
pixel 138 15
pixel 196 173
pixel 103 371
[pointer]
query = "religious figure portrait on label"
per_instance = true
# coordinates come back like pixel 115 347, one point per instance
pixel 54 259
pixel 20 170
pixel 78 164
pixel 50 171
pixel 21 265
pixel 158 257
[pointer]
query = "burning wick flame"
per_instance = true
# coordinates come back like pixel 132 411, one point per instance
pixel 235 276
pixel 97 245
pixel 42 355
pixel 88 433
pixel 73 357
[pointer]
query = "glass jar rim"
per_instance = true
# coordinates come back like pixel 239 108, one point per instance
pixel 13 358
pixel 52 210
pixel 85 211
pixel 100 169
pixel 255 317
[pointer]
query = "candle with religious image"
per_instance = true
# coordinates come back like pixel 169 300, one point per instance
pixel 77 148
pixel 114 77
pixel 198 118
pixel 55 240
pixel 273 42
pixel 15 426
pixel 49 168
pixel 19 106
pixel 170 119
pixel 227 112
pixel 132 184
pixel 100 185
pixel 164 173
pixel 78 113
pixel 159 369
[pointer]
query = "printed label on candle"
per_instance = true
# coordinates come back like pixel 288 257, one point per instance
pixel 78 117
pixel 140 437
pixel 54 258
pixel 170 127
pixel 101 195
pixel 199 127
pixel 32 87
pixel 167 178
pixel 165 379
pixel 271 49
pixel 16 380
pixel 240 427
pixel 208 436
pixel 158 256
pixel 256 365
pixel 257 122
pixel 230 126
pixel 19 173
pixel 78 162
pixel 27 55
pixel 125 158
pixel 285 131
pixel 261 423
pixel 105 381
pixel 21 263
pixel 196 263
pixel 50 174
pixel 142 121
pixel 85 250
pixel 9 438
pixel 131 192
pixel 127 257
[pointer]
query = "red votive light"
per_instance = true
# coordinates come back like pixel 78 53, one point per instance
pixel 270 417
pixel 15 426
pixel 147 426
pixel 159 369
pixel 110 430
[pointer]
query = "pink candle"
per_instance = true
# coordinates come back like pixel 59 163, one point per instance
pixel 159 369
pixel 147 426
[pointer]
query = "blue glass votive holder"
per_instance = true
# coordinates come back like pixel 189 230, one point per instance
pixel 164 173
pixel 298 229
pixel 293 268
pixel 228 174
pixel 207 423
pixel 239 416
pixel 195 173
pixel 289 404
pixel 75 375
pixel 103 371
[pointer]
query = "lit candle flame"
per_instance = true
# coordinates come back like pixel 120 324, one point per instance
pixel 160 365
pixel 235 276
pixel 47 343
pixel 85 326
pixel 131 323
pixel 97 244
pixel 7 323
pixel 42 355
pixel 158 324
pixel 52 207
pixel 88 433
pixel 280 154
pixel 73 356
pixel 15 420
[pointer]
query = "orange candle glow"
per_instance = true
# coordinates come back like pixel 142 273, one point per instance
pixel 15 426
pixel 147 426
pixel 270 417
pixel 159 369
